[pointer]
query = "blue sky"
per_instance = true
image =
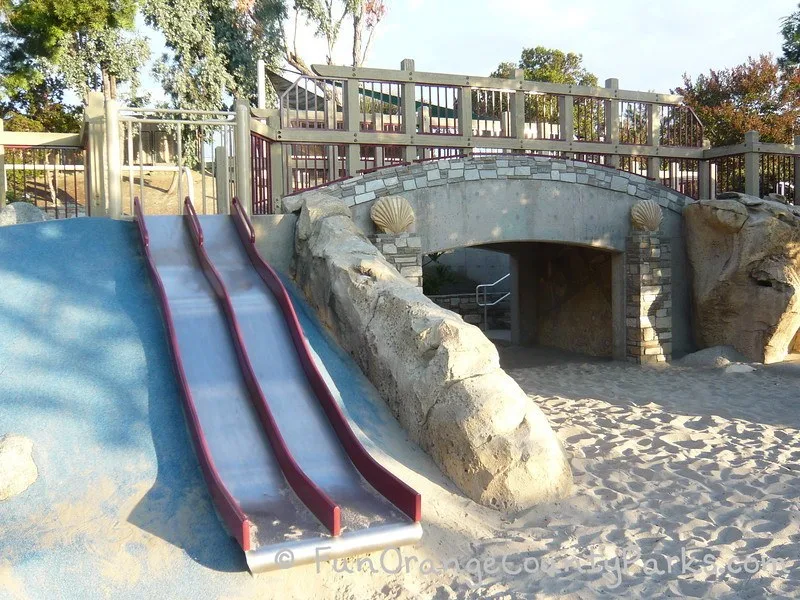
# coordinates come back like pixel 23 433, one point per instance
pixel 646 45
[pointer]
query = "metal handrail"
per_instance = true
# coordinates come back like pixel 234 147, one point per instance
pixel 486 304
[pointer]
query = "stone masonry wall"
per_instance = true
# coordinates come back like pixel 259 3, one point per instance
pixel 404 253
pixel 649 299
pixel 366 187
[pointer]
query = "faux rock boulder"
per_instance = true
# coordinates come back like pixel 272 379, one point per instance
pixel 744 254
pixel 440 376
pixel 20 212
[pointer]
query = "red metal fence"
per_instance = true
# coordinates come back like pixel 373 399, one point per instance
pixel 261 169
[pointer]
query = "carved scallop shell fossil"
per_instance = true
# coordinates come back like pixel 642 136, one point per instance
pixel 392 214
pixel 646 215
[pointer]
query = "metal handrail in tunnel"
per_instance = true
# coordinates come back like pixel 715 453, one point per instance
pixel 486 304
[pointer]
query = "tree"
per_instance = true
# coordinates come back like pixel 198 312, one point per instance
pixel 366 16
pixel 327 17
pixel 553 66
pixel 756 95
pixel 39 107
pixel 550 65
pixel 90 42
pixel 214 46
pixel 100 60
pixel 790 29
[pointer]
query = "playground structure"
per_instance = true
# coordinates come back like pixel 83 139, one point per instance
pixel 537 171
pixel 347 121
pixel 362 133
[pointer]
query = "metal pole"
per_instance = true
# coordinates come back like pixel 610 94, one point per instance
pixel 129 130
pixel 141 166
pixel 179 138
pixel 262 84
pixel 222 179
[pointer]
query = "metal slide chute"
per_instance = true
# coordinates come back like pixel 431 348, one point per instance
pixel 277 452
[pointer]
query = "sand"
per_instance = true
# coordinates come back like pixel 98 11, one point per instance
pixel 691 474
pixel 685 458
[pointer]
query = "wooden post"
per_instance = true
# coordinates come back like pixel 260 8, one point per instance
pixel 277 168
pixel 113 159
pixel 378 124
pixel 3 172
pixel 242 163
pixel 653 139
pixel 704 174
pixel 222 177
pixel 94 117
pixel 796 181
pixel 517 108
pixel 751 164
pixel 424 124
pixel 352 124
pixel 566 118
pixel 464 114
pixel 611 109
pixel 409 109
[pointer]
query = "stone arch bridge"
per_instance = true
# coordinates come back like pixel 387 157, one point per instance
pixel 580 272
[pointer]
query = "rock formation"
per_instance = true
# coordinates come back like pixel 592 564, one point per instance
pixel 20 212
pixel 440 376
pixel 744 254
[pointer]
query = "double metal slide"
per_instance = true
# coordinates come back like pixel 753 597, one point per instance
pixel 288 476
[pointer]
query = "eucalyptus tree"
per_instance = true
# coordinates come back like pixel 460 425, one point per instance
pixel 90 43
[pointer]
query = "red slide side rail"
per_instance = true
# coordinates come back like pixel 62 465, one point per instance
pixel 394 490
pixel 325 509
pixel 230 511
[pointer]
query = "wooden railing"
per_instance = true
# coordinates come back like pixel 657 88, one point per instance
pixel 349 120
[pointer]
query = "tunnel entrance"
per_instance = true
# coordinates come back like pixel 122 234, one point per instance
pixel 564 297
pixel 473 282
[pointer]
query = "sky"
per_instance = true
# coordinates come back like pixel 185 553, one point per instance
pixel 648 46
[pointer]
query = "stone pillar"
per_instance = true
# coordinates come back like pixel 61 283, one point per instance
pixel 404 252
pixel 649 289
pixel 649 312
pixel 618 323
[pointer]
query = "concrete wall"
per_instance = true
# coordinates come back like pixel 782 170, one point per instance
pixel 491 211
pixel 500 199
pixel 275 240
pixel 479 265
pixel 480 212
